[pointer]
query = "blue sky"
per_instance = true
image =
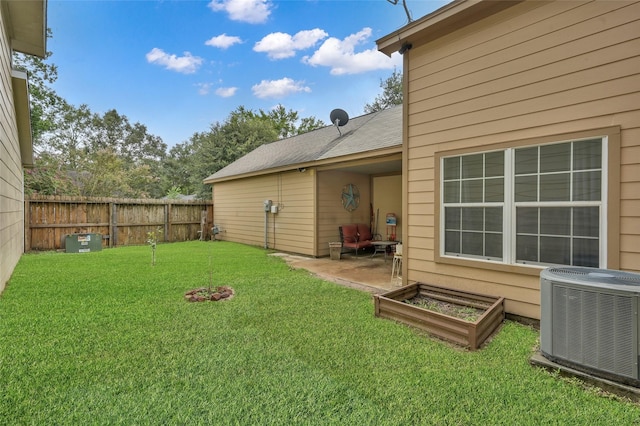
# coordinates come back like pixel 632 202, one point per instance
pixel 177 66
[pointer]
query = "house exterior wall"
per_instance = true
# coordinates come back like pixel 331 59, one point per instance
pixel 238 211
pixel 11 177
pixel 537 72
pixel 331 214
pixel 309 208
pixel 387 198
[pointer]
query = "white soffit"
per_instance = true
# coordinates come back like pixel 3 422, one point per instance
pixel 27 25
pixel 23 116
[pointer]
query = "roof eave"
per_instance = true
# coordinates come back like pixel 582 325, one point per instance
pixel 27 23
pixel 455 15
pixel 23 116
pixel 319 163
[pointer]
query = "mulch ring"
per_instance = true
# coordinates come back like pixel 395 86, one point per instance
pixel 204 294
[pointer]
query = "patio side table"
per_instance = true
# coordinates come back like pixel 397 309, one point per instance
pixel 382 246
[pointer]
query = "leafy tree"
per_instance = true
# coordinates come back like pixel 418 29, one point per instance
pixel 48 177
pixel 45 103
pixel 176 169
pixel 80 152
pixel 391 95
pixel 243 131
pixel 283 121
pixel 174 193
pixel 103 174
pixel 70 134
pixel 130 141
pixel 286 122
pixel 308 124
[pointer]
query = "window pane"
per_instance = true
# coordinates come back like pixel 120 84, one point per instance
pixel 586 186
pixel 555 221
pixel 587 154
pixel 586 221
pixel 493 245
pixel 452 168
pixel 555 250
pixel 526 248
pixel 586 252
pixel 452 192
pixel 472 243
pixel 548 182
pixel 554 187
pixel 452 218
pixel 526 188
pixel 526 160
pixel 494 164
pixel 472 218
pixel 493 219
pixel 472 191
pixel 452 242
pixel 555 158
pixel 494 190
pixel 527 220
pixel 472 166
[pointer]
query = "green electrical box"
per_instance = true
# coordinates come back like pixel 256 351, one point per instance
pixel 83 243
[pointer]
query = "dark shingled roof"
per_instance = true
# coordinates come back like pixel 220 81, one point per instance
pixel 370 132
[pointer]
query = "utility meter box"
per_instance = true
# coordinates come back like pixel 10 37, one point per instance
pixel 83 243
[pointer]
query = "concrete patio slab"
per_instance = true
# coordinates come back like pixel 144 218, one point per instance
pixel 366 273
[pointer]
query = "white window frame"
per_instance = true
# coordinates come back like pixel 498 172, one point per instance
pixel 510 205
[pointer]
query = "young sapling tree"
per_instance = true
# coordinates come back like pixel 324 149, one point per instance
pixel 152 240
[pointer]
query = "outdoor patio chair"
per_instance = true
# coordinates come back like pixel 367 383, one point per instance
pixel 355 237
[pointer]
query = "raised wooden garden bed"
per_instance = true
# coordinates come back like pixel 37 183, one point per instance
pixel 402 305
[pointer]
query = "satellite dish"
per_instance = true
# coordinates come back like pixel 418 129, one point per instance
pixel 339 118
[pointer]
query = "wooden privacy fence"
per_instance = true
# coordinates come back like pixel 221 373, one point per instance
pixel 49 219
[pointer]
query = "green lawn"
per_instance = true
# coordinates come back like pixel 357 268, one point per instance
pixel 105 338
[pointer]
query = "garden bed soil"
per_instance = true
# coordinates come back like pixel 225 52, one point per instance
pixel 464 318
pixel 213 294
pixel 455 308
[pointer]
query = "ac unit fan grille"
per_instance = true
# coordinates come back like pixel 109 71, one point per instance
pixel 594 329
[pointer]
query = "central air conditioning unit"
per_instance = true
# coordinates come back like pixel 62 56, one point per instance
pixel 589 321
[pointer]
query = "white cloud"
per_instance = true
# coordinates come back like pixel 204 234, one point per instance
pixel 226 92
pixel 341 57
pixel 204 88
pixel 251 11
pixel 282 45
pixel 223 41
pixel 187 64
pixel 278 88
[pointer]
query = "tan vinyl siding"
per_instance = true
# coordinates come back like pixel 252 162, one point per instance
pixel 238 211
pixel 387 198
pixel 11 178
pixel 331 214
pixel 534 71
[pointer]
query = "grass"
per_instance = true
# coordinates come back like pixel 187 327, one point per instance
pixel 105 338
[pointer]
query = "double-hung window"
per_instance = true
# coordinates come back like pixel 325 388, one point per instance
pixel 528 205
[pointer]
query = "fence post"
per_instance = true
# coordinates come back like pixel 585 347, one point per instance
pixel 110 207
pixel 113 228
pixel 167 221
